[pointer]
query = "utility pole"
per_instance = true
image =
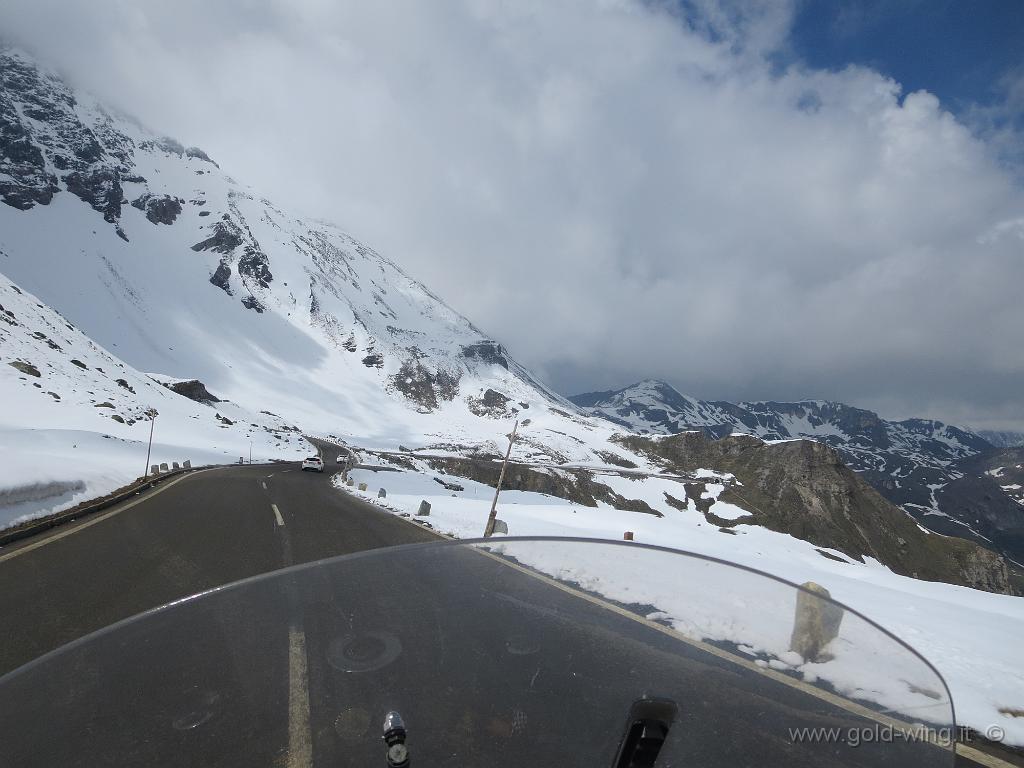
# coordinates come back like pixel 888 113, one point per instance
pixel 152 423
pixel 501 476
pixel 250 451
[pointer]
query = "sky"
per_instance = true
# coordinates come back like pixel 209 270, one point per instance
pixel 757 200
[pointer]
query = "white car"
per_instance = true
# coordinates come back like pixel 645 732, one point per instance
pixel 314 463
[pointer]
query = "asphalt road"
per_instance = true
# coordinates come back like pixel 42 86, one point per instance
pixel 488 666
pixel 208 529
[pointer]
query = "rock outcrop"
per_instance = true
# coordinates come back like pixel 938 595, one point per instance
pixel 803 488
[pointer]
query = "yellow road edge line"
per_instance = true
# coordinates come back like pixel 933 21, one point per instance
pixel 300 735
pixel 75 528
pixel 982 758
pixel 970 753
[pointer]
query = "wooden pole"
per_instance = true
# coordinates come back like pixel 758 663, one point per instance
pixel 152 423
pixel 489 529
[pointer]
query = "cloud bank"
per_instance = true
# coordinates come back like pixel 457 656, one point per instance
pixel 614 189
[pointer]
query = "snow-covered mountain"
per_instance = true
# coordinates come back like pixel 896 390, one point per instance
pixel 909 462
pixel 72 409
pixel 1002 438
pixel 177 270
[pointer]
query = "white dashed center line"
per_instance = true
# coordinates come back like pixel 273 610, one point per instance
pixel 277 514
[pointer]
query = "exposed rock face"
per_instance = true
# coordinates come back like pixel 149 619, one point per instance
pixel 38 110
pixel 50 142
pixel 493 403
pixel 225 238
pixel 193 390
pixel 251 302
pixel 100 188
pixel 575 485
pixel 487 352
pixel 614 459
pixel 255 265
pixel 196 152
pixel 904 460
pixel 803 488
pixel 24 179
pixel 26 368
pixel 222 278
pixel 421 386
pixel 990 496
pixel 159 209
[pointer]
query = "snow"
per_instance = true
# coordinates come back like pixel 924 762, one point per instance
pixel 745 610
pixel 971 637
pixel 59 441
pixel 75 466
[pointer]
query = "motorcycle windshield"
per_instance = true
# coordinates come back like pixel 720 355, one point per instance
pixel 504 652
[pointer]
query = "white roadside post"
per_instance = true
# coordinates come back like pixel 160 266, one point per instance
pixel 489 529
pixel 152 413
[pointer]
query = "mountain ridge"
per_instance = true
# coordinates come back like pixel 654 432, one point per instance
pixel 909 461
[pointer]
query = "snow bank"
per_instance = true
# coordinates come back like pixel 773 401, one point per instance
pixel 972 637
pixel 75 466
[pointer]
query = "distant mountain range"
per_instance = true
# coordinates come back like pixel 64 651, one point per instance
pixel 1003 438
pixel 934 471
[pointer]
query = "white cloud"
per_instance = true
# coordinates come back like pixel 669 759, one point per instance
pixel 613 189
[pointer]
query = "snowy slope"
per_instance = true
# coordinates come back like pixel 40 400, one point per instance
pixel 1003 438
pixel 74 423
pixel 164 260
pixel 176 268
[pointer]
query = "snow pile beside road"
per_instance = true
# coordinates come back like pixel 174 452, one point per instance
pixel 75 421
pixel 972 637
pixel 46 471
